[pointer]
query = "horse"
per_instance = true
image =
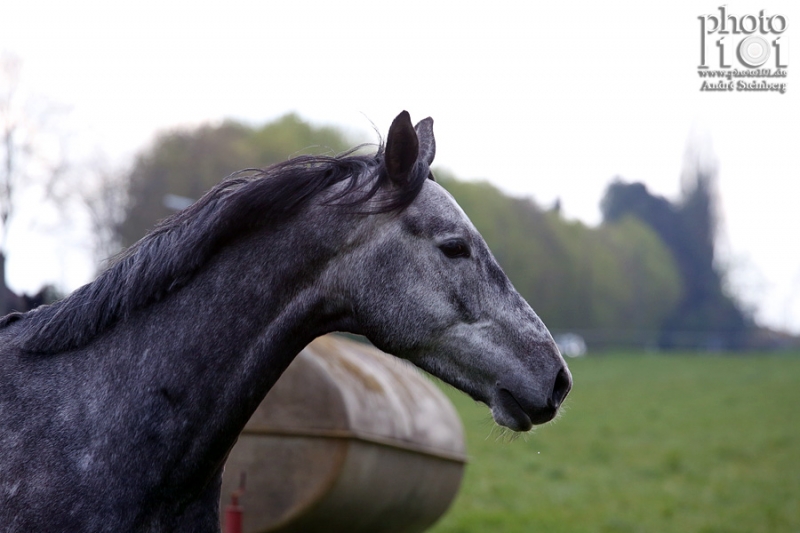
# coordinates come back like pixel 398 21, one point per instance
pixel 120 403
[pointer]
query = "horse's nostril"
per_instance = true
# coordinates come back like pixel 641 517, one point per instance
pixel 561 387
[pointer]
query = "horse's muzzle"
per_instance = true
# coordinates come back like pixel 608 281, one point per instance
pixel 515 410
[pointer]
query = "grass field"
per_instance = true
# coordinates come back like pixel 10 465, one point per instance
pixel 647 443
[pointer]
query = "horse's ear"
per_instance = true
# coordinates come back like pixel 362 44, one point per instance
pixel 427 143
pixel 402 149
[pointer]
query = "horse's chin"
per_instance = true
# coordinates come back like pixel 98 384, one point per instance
pixel 508 412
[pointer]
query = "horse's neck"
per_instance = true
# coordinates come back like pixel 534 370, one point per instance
pixel 208 354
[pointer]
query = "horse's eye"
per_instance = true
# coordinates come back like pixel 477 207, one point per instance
pixel 454 249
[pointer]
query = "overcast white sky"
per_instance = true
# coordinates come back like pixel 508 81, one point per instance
pixel 544 100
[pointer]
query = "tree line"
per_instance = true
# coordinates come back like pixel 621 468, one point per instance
pixel 646 276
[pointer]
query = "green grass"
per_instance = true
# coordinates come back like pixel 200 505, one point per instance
pixel 655 444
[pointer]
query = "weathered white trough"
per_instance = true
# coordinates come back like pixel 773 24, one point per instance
pixel 349 439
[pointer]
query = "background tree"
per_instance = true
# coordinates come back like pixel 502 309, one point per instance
pixel 705 315
pixel 32 155
pixel 101 192
pixel 185 163
pixel 11 147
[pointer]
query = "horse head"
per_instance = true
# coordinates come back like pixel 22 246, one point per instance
pixel 423 285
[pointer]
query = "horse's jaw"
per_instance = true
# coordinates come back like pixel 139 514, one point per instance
pixel 523 383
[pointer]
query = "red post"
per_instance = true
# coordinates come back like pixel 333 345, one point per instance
pixel 233 516
pixel 234 511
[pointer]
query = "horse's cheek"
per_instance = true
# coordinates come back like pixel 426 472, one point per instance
pixel 395 311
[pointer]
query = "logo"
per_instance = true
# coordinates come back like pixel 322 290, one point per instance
pixel 754 49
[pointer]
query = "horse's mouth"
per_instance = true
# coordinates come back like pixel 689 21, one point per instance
pixel 508 412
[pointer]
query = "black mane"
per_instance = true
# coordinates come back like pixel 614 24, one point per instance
pixel 169 256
